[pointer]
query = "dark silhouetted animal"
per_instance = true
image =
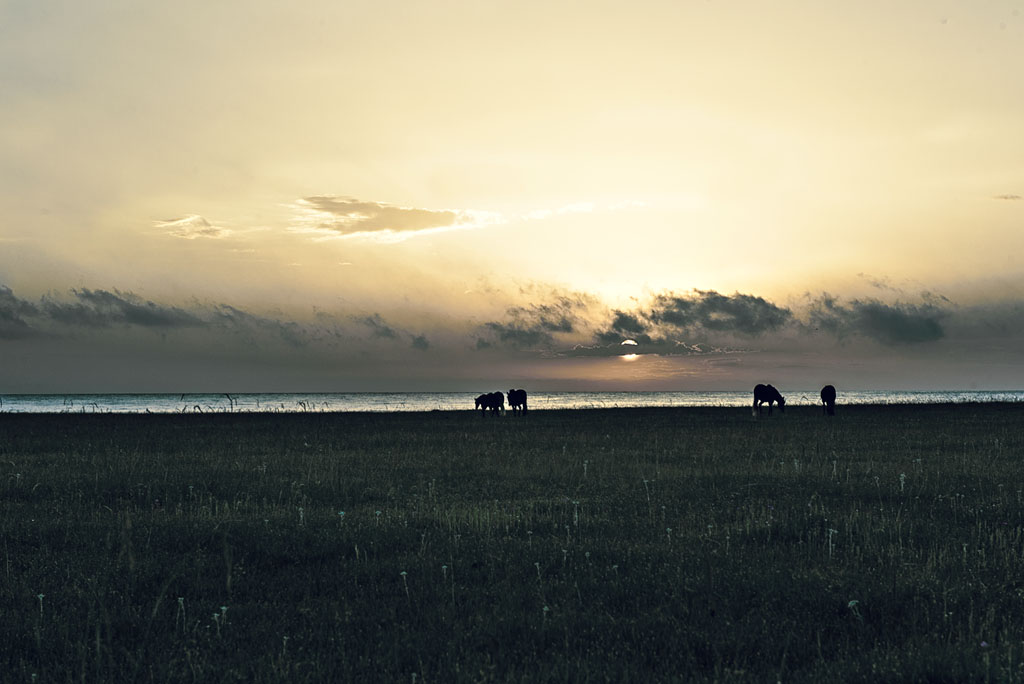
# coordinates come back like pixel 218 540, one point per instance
pixel 828 400
pixel 766 394
pixel 517 401
pixel 495 401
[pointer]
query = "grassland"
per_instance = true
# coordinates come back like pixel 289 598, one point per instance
pixel 884 544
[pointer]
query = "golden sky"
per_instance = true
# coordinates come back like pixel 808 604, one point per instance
pixel 455 173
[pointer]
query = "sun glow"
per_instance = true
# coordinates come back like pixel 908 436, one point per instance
pixel 629 357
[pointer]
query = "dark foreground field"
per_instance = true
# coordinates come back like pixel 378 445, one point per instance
pixel 886 543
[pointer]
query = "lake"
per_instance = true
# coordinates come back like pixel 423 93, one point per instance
pixel 454 401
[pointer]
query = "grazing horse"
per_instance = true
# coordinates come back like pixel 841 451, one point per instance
pixel 495 401
pixel 766 394
pixel 517 401
pixel 828 400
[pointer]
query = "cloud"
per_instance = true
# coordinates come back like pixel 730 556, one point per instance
pixel 250 325
pixel 707 322
pixel 536 325
pixel 672 331
pixel 891 324
pixel 516 335
pixel 879 283
pixel 12 315
pixel 667 326
pixel 558 317
pixel 347 217
pixel 626 326
pixel 192 227
pixel 381 329
pixel 377 326
pixel 660 328
pixel 101 309
pixel 115 319
pixel 338 216
pixel 710 311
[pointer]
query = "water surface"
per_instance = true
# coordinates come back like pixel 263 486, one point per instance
pixel 450 401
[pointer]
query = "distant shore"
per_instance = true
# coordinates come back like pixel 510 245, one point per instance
pixel 790 409
pixel 398 402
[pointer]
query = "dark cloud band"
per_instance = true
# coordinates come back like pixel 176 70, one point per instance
pixel 537 325
pixel 699 323
pixel 101 309
pixel 891 324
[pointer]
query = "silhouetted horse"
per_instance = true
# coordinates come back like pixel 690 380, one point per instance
pixel 517 401
pixel 828 400
pixel 495 401
pixel 766 394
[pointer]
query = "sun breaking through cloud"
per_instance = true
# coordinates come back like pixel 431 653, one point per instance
pixel 726 335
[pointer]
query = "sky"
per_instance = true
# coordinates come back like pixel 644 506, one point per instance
pixel 459 195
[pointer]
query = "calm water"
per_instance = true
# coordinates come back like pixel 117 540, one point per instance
pixel 446 401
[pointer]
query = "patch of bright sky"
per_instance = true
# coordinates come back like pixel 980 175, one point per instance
pixel 605 147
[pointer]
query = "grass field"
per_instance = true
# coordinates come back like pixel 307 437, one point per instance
pixel 884 544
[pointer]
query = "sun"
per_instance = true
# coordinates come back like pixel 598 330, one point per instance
pixel 629 357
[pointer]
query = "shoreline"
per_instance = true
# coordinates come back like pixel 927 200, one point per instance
pixel 791 409
pixel 433 402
